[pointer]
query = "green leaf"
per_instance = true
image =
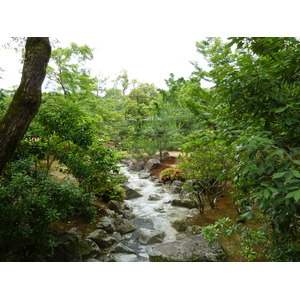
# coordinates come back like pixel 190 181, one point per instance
pixel 296 173
pixel 279 174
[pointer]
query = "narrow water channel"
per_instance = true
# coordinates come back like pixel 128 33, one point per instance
pixel 150 214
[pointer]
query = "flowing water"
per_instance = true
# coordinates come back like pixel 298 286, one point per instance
pixel 150 214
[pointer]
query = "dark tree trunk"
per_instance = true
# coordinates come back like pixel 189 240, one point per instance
pixel 27 99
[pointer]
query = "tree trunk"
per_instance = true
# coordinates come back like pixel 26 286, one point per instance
pixel 27 99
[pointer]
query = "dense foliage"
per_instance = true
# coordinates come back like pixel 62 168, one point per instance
pixel 242 135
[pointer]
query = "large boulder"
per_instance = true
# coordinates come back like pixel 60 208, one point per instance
pixel 137 166
pixel 149 236
pixel 71 247
pixel 192 249
pixel 152 164
pixel 130 193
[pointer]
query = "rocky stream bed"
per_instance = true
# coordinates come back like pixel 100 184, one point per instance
pixel 151 225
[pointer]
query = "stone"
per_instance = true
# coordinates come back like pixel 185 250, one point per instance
pixel 126 162
pixel 106 224
pixel 175 187
pixel 179 225
pixel 149 236
pixel 120 248
pixel 106 242
pixel 192 249
pixel 124 226
pixel 115 206
pixel 101 238
pixel 88 249
pixel 137 166
pixel 130 193
pixel 187 203
pixel 144 175
pixel 154 197
pixel 152 164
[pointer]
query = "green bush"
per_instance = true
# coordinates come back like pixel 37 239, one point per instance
pixel 29 202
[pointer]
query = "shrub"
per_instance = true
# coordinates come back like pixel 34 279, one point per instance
pixel 29 202
pixel 171 174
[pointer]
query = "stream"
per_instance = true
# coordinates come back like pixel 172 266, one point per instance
pixel 149 214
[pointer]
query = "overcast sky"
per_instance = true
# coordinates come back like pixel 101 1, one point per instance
pixel 150 39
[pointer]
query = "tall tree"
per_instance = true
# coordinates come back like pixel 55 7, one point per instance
pixel 27 98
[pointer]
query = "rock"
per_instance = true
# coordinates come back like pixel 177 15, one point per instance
pixel 192 249
pixel 106 242
pixel 130 193
pixel 106 224
pixel 125 226
pixel 67 247
pixel 184 203
pixel 161 190
pixel 120 248
pixel 88 249
pixel 148 236
pixel 126 162
pixel 144 175
pixel 175 187
pixel 115 206
pixel 179 225
pixel 154 197
pixel 101 238
pixel 137 166
pixel 152 164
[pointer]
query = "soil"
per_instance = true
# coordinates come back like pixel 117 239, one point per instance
pixel 165 163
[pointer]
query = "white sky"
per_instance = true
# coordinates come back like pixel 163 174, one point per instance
pixel 150 39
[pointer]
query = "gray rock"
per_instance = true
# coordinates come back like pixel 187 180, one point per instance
pixel 176 187
pixel 124 226
pixel 88 249
pixel 148 236
pixel 152 164
pixel 192 249
pixel 144 175
pixel 184 203
pixel 106 224
pixel 137 166
pixel 115 206
pixel 101 238
pixel 130 193
pixel 154 197
pixel 126 162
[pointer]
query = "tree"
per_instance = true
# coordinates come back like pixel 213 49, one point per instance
pixel 27 98
pixel 68 72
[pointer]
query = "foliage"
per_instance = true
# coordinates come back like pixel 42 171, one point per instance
pixel 257 94
pixel 29 201
pixel 171 174
pixel 206 163
pixel 251 241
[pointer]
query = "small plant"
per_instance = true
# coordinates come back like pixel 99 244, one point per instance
pixel 171 174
